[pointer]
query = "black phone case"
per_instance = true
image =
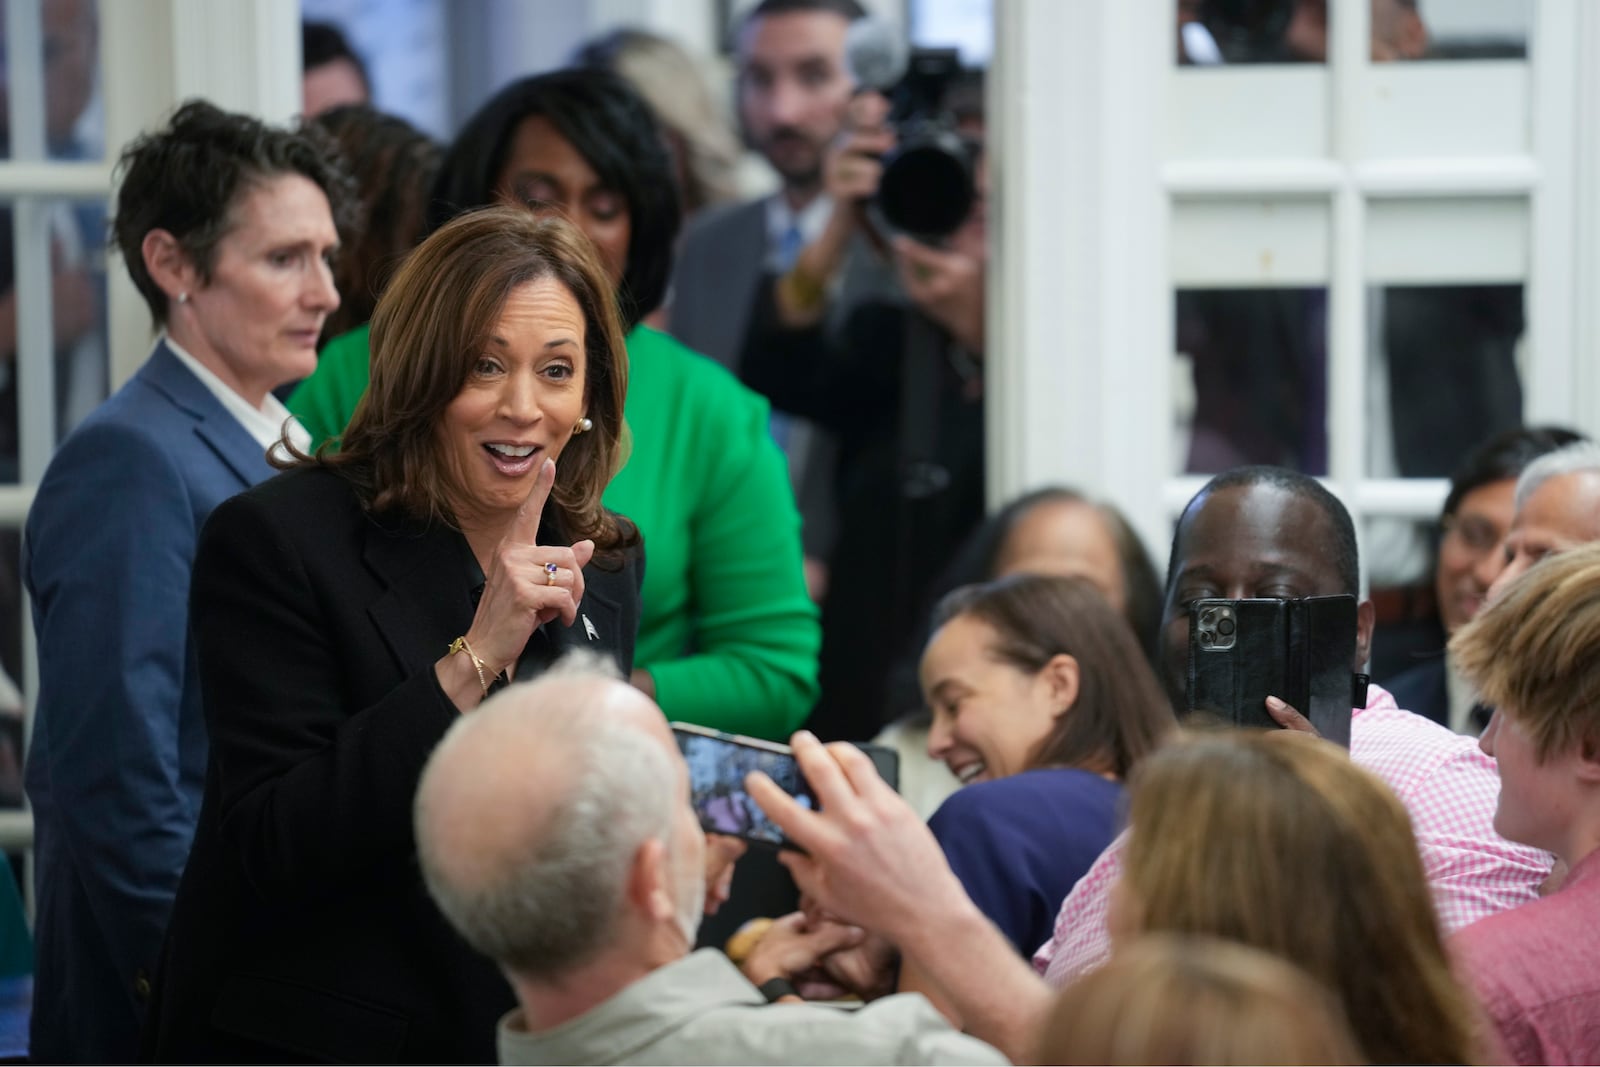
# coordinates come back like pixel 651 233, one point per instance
pixel 1297 650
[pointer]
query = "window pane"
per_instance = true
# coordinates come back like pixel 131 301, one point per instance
pixel 1218 32
pixel 1443 374
pixel 1451 29
pixel 77 368
pixel 1233 32
pixel 69 49
pixel 1251 379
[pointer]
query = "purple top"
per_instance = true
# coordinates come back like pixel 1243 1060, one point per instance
pixel 1019 844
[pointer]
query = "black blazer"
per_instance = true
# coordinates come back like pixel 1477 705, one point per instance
pixel 302 929
pixel 892 542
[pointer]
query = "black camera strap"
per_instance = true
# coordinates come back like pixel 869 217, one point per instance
pixel 923 479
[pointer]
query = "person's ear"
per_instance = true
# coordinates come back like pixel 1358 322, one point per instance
pixel 650 882
pixel 1064 677
pixel 169 265
pixel 1366 619
pixel 1589 761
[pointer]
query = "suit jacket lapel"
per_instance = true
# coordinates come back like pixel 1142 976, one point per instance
pixel 214 425
pixel 752 241
pixel 598 624
pixel 427 602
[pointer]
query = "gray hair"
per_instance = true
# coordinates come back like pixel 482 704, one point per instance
pixel 1576 458
pixel 552 905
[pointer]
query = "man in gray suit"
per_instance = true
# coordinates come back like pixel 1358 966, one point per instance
pixel 794 92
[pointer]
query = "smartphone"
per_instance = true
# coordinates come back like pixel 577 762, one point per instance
pixel 1301 650
pixel 718 763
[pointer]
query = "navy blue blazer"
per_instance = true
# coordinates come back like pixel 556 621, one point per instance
pixel 1423 689
pixel 117 763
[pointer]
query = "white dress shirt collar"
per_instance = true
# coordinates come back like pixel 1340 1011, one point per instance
pixel 810 219
pixel 268 424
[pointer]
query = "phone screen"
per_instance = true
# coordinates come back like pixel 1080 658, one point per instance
pixel 717 768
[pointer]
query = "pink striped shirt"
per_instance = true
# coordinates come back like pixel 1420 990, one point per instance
pixel 1446 783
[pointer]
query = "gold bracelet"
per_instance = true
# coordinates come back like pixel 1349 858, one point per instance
pixel 460 645
pixel 806 292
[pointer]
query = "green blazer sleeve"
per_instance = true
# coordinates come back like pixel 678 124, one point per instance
pixel 728 632
pixel 325 401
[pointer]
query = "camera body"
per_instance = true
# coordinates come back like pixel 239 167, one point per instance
pixel 929 180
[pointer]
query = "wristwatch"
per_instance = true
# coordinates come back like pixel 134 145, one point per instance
pixel 777 988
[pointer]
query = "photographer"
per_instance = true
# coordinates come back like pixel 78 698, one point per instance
pixel 901 388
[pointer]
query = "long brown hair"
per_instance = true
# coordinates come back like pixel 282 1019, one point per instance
pixel 1172 999
pixel 430 326
pixel 1278 841
pixel 1120 713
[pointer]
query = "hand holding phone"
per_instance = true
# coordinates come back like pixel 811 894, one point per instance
pixel 718 764
pixel 1300 651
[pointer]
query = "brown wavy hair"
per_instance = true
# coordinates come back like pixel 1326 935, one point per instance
pixel 1172 999
pixel 1276 840
pixel 432 323
pixel 1121 712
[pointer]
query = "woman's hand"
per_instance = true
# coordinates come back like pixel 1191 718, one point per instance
pixel 521 591
pixel 527 584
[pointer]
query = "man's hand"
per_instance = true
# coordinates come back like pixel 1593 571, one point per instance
pixel 722 852
pixel 866 970
pixel 853 165
pixel 792 946
pixel 868 858
pixel 946 286
pixel 1287 717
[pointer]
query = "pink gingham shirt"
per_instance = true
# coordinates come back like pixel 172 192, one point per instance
pixel 1446 783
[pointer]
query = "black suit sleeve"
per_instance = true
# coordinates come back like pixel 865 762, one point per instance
pixel 839 382
pixel 310 793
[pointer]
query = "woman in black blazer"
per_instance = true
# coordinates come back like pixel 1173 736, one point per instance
pixel 347 611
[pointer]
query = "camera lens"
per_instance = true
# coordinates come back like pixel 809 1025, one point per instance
pixel 1225 627
pixel 927 187
pixel 1205 639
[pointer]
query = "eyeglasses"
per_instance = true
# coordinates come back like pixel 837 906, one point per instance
pixel 1476 534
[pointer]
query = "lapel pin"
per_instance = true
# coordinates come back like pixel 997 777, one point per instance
pixel 588 628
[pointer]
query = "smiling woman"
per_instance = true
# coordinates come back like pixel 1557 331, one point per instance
pixel 533 362
pixel 1043 701
pixel 348 612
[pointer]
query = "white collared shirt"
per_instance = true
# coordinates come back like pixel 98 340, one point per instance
pixel 267 424
pixel 811 221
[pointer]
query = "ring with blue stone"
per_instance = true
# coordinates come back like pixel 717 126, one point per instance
pixel 550 570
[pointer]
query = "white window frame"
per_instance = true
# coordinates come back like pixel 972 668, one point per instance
pixel 243 55
pixel 1081 286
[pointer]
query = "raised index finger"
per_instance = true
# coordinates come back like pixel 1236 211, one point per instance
pixel 525 527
